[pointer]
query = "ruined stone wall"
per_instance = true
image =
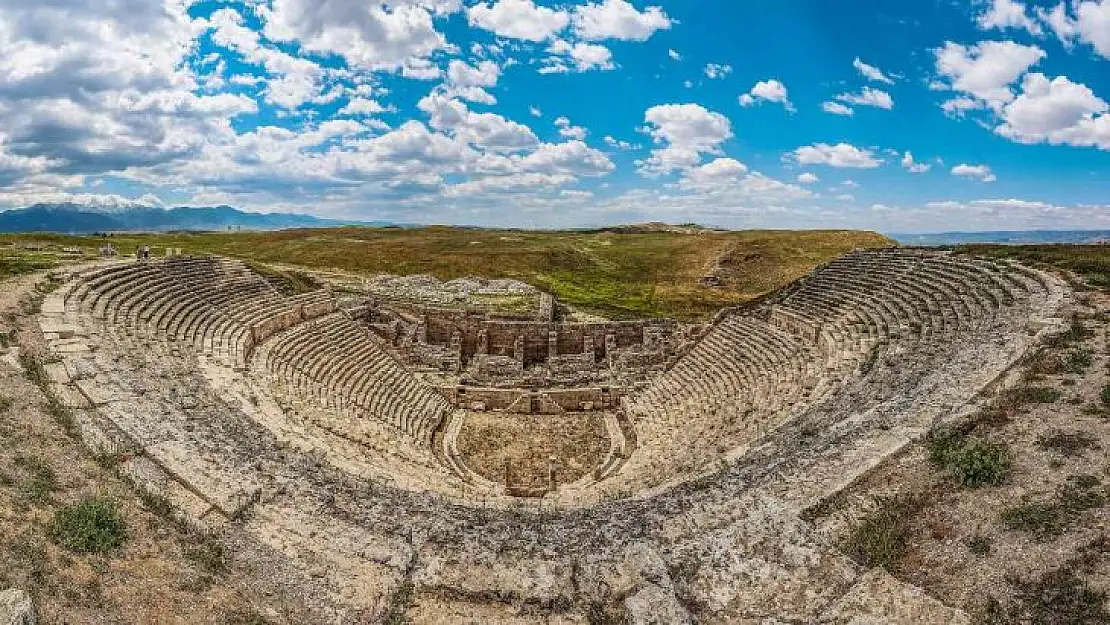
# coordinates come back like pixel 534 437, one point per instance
pixel 516 400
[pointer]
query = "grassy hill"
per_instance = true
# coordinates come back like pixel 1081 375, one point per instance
pixel 618 274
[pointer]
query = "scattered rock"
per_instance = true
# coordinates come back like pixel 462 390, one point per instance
pixel 16 608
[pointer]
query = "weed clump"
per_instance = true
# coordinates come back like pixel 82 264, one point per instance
pixel 1035 395
pixel 1046 520
pixel 41 480
pixel 92 525
pixel 1059 595
pixel 1067 444
pixel 972 461
pixel 1076 332
pixel 979 545
pixel 879 539
pixel 1078 361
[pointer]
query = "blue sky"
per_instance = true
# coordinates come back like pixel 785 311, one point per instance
pixel 900 117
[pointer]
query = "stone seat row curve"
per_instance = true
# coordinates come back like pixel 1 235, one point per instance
pixel 220 307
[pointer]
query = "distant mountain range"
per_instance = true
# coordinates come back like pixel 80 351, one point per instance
pixel 1010 237
pixel 72 218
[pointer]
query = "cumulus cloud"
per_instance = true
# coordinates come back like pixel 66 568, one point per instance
pixel 618 19
pixel 714 71
pixel 842 155
pixel 568 130
pixel 1085 21
pixel 868 97
pixel 576 57
pixel 674 54
pixel 767 91
pixel 376 36
pixel 1058 112
pixel 682 134
pixel 362 106
pixel 982 173
pixel 620 144
pixel 483 130
pixel 871 72
pixel 912 166
pixel 985 72
pixel 518 19
pixel 836 108
pixel 808 178
pixel 1003 14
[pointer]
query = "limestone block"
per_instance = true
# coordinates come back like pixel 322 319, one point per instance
pixel 99 391
pixel 880 599
pixel 69 396
pixel 59 329
pixel 151 478
pixel 225 488
pixel 16 608
pixel 653 605
pixel 56 372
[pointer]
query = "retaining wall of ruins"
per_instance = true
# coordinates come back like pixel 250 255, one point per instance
pixel 533 402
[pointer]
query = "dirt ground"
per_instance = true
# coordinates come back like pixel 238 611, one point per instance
pixel 488 440
pixel 162 573
pixel 958 544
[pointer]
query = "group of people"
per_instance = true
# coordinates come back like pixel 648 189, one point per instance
pixel 142 252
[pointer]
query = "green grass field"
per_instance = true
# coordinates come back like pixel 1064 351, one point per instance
pixel 620 275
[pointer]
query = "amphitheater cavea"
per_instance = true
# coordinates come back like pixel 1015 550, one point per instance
pixel 498 462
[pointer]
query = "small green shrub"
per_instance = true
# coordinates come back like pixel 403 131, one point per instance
pixel 6 403
pixel 972 461
pixel 879 539
pixel 92 525
pixel 979 545
pixel 1078 361
pixel 1104 396
pixel 1036 395
pixel 1067 444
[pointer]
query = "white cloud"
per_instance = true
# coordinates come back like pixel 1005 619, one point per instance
pixel 982 173
pixel 619 144
pixel 374 36
pixel 568 130
pixel 871 72
pixel 674 54
pixel 767 91
pixel 1087 21
pixel 913 166
pixel 683 133
pixel 836 108
pixel 484 74
pixel 362 106
pixel 483 130
pixel 868 97
pixel 985 71
pixel 839 155
pixel 296 81
pixel 577 57
pixel 714 71
pixel 1003 14
pixel 518 19
pixel 808 178
pixel 618 19
pixel 535 111
pixel 1057 111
